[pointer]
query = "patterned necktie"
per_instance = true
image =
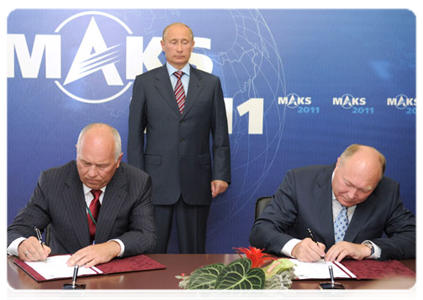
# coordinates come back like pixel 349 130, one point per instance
pixel 341 224
pixel 179 91
pixel 93 213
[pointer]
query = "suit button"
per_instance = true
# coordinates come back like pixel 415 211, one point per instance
pixel 181 139
pixel 182 121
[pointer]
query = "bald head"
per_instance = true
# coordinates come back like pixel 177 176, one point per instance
pixel 368 156
pixel 102 132
pixel 98 154
pixel 357 173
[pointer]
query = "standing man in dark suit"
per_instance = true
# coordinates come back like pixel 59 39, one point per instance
pixel 185 176
pixel 315 197
pixel 64 199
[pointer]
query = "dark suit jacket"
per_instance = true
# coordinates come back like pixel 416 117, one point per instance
pixel 126 212
pixel 304 200
pixel 177 151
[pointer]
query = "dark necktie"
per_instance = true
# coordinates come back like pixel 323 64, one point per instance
pixel 93 213
pixel 179 91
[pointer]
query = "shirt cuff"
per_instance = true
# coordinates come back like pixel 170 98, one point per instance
pixel 287 248
pixel 377 251
pixel 122 246
pixel 13 247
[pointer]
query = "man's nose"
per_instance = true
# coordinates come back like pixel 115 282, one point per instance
pixel 352 193
pixel 179 47
pixel 92 171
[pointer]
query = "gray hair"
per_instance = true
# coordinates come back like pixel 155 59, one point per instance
pixel 115 133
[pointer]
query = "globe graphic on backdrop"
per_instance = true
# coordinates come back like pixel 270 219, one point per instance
pixel 253 51
pixel 254 63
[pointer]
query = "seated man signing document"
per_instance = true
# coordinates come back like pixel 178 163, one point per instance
pixel 97 207
pixel 348 206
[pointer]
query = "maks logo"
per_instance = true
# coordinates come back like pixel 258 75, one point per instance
pixel 292 100
pixel 401 101
pixel 101 54
pixel 347 101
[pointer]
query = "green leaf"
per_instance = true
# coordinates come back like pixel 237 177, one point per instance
pixel 205 277
pixel 239 275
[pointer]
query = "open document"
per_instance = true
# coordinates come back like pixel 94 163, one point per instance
pixel 320 270
pixel 55 267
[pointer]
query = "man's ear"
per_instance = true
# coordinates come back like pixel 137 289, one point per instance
pixel 119 159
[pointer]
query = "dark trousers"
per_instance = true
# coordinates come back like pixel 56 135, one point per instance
pixel 191 223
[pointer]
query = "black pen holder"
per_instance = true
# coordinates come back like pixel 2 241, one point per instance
pixel 70 290
pixel 331 286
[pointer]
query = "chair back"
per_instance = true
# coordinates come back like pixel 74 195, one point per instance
pixel 261 205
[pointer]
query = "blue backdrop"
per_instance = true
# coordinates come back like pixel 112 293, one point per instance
pixel 299 85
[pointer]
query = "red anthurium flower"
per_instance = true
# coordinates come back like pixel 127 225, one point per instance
pixel 257 257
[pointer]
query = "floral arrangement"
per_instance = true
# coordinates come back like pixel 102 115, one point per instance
pixel 244 273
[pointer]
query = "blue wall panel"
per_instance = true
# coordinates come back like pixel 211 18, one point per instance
pixel 302 85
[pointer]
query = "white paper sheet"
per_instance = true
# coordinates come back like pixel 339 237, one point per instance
pixel 320 270
pixel 56 267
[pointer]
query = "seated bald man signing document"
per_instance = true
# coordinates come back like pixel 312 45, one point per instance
pixel 97 207
pixel 351 209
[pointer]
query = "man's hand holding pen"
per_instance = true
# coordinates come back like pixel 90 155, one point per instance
pixel 308 250
pixel 32 250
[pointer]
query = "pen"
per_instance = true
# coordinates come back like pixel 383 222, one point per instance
pixel 75 273
pixel 311 235
pixel 39 237
pixel 332 280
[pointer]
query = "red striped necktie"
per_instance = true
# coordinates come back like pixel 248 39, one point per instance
pixel 179 91
pixel 93 213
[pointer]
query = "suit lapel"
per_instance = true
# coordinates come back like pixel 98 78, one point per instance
pixel 164 87
pixel 74 200
pixel 114 196
pixel 195 86
pixel 361 214
pixel 323 205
